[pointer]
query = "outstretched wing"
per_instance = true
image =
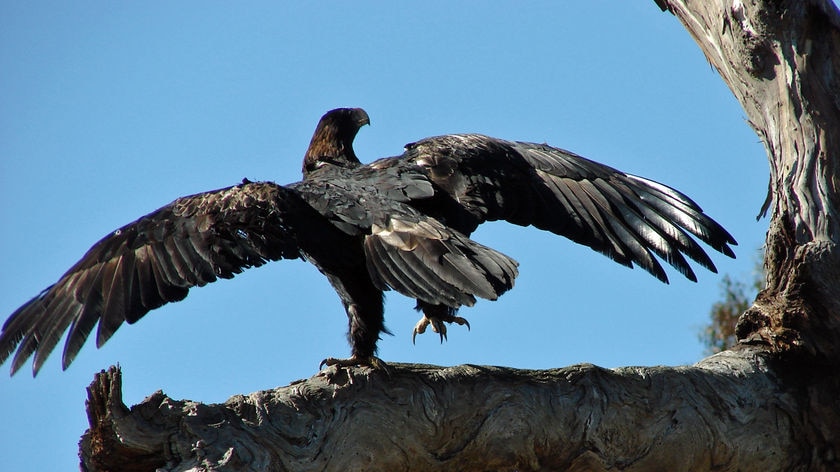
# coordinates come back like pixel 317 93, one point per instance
pixel 625 217
pixel 156 260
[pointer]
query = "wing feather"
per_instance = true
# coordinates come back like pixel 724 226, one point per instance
pixel 389 270
pixel 421 258
pixel 153 261
pixel 625 217
pixel 67 311
pixel 411 271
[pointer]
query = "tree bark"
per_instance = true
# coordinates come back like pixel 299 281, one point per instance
pixel 468 418
pixel 768 404
pixel 781 59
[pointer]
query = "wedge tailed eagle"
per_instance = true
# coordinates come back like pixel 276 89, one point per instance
pixel 399 223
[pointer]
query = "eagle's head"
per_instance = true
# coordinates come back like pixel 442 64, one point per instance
pixel 332 142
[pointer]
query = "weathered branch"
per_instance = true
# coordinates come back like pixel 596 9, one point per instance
pixel 474 418
pixel 771 404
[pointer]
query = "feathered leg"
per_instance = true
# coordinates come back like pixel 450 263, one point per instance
pixel 365 312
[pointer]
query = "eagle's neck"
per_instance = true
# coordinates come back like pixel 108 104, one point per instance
pixel 330 145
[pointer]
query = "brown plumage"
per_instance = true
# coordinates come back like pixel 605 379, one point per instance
pixel 332 141
pixel 400 223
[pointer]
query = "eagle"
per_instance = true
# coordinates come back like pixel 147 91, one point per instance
pixel 400 223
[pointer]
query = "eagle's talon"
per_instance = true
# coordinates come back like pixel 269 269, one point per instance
pixel 438 324
pixel 371 362
pixel 420 328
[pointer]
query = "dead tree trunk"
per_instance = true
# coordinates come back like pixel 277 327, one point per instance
pixel 769 404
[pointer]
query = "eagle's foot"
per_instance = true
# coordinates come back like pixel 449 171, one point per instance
pixel 373 362
pixel 437 322
pixel 341 373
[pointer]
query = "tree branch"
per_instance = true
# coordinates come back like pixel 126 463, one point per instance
pixel 472 418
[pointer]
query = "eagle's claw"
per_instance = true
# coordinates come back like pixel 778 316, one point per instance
pixel 371 361
pixel 438 325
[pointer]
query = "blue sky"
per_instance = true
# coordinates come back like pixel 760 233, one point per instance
pixel 111 110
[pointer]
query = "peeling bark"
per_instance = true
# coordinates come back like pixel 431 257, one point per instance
pixel 770 404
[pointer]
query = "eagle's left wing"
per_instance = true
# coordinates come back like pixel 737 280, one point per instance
pixel 625 217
